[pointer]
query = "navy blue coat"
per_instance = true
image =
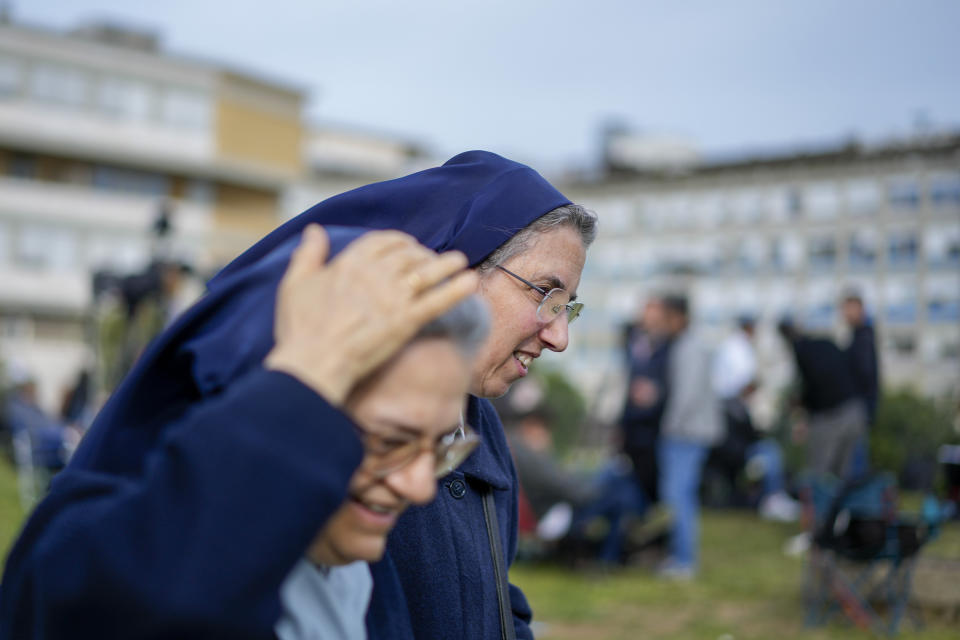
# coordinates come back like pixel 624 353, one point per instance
pixel 440 553
pixel 862 354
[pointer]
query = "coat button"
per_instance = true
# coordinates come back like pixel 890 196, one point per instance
pixel 457 489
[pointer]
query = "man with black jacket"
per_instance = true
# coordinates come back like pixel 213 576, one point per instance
pixel 836 415
pixel 647 349
pixel 861 355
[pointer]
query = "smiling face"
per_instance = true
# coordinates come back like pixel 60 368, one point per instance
pixel 554 260
pixel 418 395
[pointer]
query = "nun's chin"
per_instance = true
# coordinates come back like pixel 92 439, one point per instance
pixel 497 382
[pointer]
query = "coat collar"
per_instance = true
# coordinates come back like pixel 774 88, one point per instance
pixel 490 462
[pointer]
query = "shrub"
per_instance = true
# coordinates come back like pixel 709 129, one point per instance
pixel 568 409
pixel 909 429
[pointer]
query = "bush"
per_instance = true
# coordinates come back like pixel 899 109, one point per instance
pixel 909 429
pixel 568 409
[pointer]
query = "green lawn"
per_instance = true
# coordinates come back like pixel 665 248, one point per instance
pixel 747 589
pixel 11 515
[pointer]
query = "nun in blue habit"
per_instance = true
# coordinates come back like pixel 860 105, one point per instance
pixel 205 476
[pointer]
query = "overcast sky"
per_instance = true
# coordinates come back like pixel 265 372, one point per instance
pixel 534 79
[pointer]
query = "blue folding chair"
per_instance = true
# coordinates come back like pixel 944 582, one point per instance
pixel 863 550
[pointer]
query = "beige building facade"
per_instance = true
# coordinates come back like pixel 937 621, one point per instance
pixel 100 130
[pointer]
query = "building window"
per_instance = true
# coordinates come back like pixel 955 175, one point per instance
pixel 753 254
pixel 901 301
pixel 903 344
pixel 205 192
pixel 130 181
pixel 46 247
pixel 943 311
pixel 10 76
pixel 708 209
pixel 943 298
pixel 124 98
pixel 617 214
pixel 794 203
pixel 786 253
pixel 822 200
pixel 864 197
pixel 677 211
pixel 4 243
pixel 819 303
pixel 776 205
pixel 862 249
pixel 950 350
pixel 822 252
pixel 941 245
pixel 21 165
pixel 820 316
pixel 904 193
pixel 122 253
pixel 62 85
pixel 185 109
pixel 902 248
pixel 945 190
pixel 746 205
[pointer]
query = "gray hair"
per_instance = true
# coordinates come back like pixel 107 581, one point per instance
pixel 466 324
pixel 575 216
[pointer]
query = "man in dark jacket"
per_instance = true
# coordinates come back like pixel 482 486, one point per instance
pixel 862 358
pixel 836 418
pixel 646 346
pixel 862 354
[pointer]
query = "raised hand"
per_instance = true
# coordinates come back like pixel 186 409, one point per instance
pixel 336 322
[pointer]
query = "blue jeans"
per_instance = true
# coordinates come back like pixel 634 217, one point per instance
pixel 769 452
pixel 860 460
pixel 619 496
pixel 681 463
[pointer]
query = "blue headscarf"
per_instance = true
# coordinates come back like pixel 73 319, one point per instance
pixel 473 203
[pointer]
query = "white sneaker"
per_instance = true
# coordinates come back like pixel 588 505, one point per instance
pixel 670 570
pixel 780 507
pixel 797 545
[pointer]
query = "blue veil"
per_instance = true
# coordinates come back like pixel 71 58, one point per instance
pixel 473 203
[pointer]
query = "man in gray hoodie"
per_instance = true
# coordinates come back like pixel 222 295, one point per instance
pixel 692 423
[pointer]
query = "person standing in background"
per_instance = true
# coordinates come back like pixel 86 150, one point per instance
pixel 835 414
pixel 646 347
pixel 692 422
pixel 744 448
pixel 861 355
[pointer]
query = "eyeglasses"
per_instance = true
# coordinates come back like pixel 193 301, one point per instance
pixel 386 454
pixel 554 301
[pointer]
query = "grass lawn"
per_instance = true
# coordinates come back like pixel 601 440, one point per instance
pixel 11 514
pixel 747 588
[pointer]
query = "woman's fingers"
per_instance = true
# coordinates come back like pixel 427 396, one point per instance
pixel 310 254
pixel 426 274
pixel 436 300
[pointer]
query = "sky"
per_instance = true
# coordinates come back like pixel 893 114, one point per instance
pixel 536 79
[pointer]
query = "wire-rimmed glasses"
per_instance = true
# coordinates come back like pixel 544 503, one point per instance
pixel 554 302
pixel 386 454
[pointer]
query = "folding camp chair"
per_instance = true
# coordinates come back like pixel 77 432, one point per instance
pixel 863 551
